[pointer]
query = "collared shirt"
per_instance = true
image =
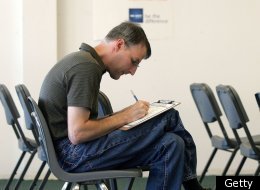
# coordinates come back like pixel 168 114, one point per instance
pixel 73 81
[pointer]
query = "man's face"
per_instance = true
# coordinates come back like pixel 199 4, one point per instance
pixel 126 60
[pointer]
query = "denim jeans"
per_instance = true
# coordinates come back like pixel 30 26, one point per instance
pixel 162 144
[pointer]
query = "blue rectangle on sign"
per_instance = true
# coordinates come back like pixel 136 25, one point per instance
pixel 136 15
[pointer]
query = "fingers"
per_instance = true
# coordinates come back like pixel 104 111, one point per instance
pixel 143 103
pixel 136 111
pixel 141 108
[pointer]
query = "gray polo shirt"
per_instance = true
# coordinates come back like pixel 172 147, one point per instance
pixel 73 81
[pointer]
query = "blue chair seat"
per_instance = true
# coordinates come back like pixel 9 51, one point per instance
pixel 246 150
pixel 221 143
pixel 29 146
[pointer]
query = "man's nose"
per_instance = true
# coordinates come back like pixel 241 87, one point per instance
pixel 133 70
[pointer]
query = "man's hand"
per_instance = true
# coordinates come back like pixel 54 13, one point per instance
pixel 135 111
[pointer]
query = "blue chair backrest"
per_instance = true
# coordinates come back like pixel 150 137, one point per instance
pixel 232 106
pixel 23 94
pixel 10 108
pixel 206 102
pixel 104 105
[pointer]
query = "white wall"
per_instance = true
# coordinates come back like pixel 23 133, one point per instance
pixel 28 49
pixel 39 41
pixel 212 41
pixel 10 59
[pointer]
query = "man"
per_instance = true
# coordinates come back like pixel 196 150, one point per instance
pixel 68 99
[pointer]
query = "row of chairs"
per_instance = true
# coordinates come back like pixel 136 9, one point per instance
pixel 211 115
pixel 26 145
pixel 42 144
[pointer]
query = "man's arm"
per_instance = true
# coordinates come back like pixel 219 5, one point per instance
pixel 82 129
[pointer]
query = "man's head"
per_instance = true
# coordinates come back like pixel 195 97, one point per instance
pixel 132 34
pixel 128 46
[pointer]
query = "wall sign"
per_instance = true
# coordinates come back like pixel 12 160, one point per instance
pixel 155 16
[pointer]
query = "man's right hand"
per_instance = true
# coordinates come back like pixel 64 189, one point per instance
pixel 136 111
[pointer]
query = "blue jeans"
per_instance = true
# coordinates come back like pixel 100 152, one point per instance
pixel 162 144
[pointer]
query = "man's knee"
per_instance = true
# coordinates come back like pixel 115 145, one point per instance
pixel 175 144
pixel 180 144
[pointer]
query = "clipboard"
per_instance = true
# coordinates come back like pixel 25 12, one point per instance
pixel 156 108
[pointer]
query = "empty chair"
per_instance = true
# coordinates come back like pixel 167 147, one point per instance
pixel 257 97
pixel 94 177
pixel 238 119
pixel 25 144
pixel 23 94
pixel 210 114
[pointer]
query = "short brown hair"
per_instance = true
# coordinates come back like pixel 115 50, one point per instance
pixel 132 34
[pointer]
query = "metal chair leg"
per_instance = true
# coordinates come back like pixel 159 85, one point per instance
pixel 45 179
pixel 112 184
pixel 240 166
pixel 101 186
pixel 230 161
pixel 33 184
pixel 25 169
pixel 130 184
pixel 14 171
pixel 208 164
pixel 257 170
pixel 76 187
pixel 66 186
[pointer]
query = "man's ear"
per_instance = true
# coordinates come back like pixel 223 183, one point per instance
pixel 120 43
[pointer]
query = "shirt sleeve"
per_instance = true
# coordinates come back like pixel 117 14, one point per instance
pixel 83 83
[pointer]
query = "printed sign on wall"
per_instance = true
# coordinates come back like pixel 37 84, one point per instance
pixel 155 16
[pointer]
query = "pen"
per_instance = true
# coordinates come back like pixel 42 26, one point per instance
pixel 134 95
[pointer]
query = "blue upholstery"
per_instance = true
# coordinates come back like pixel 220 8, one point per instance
pixel 238 119
pixel 210 114
pixel 25 144
pixel 23 94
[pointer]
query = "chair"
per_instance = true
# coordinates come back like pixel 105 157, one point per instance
pixel 94 177
pixel 210 114
pixel 257 97
pixel 104 105
pixel 23 94
pixel 238 119
pixel 25 144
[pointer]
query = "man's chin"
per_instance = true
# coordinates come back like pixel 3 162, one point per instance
pixel 115 77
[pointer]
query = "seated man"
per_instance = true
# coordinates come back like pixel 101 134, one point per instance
pixel 68 99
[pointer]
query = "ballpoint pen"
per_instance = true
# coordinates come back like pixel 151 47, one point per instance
pixel 134 95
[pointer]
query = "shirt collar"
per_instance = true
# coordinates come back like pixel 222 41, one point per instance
pixel 92 51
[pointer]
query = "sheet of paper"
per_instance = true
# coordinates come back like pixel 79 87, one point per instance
pixel 154 110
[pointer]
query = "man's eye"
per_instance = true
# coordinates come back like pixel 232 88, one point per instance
pixel 135 63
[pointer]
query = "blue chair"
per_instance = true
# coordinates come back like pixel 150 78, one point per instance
pixel 23 94
pixel 210 114
pixel 25 144
pixel 104 105
pixel 238 119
